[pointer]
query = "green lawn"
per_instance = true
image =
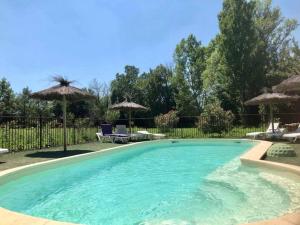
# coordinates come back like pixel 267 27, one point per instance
pixel 19 139
pixel 22 158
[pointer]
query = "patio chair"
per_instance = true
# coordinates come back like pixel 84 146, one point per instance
pixel 104 134
pixel 293 136
pixel 269 132
pixel 152 135
pixel 121 129
pixel 107 134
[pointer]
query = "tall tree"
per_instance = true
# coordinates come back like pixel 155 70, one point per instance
pixel 276 42
pixel 189 60
pixel 7 98
pixel 125 85
pixel 238 41
pixel 26 106
pixel 215 80
pixel 101 91
pixel 157 88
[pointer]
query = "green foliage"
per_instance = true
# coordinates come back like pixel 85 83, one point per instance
pixel 214 119
pixel 189 60
pixel 125 85
pixel 166 121
pixel 277 44
pixel 100 106
pixel 255 48
pixel 238 44
pixel 157 90
pixel 111 116
pixel 7 98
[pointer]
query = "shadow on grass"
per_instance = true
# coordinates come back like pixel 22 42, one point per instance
pixel 56 154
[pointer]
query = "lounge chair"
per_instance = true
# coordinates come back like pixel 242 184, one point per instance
pixel 152 135
pixel 3 150
pixel 121 129
pixel 293 136
pixel 269 132
pixel 107 134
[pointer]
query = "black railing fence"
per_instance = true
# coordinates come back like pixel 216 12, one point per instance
pixel 25 133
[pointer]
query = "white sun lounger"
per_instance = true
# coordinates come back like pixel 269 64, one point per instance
pixel 3 150
pixel 268 132
pixel 152 135
pixel 121 129
pixel 292 137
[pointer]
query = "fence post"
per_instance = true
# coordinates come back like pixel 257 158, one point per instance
pixel 41 131
pixel 74 134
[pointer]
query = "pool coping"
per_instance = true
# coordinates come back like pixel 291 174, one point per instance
pixel 252 157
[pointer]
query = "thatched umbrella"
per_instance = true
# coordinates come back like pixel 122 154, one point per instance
pixel 128 107
pixel 63 92
pixel 290 85
pixel 270 99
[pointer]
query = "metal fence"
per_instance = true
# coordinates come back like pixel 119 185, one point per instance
pixel 25 133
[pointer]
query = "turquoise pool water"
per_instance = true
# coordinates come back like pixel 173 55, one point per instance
pixel 186 182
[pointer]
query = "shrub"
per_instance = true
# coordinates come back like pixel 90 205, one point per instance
pixel 215 119
pixel 111 116
pixel 166 121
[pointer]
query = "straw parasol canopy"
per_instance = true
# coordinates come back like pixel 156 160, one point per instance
pixel 128 107
pixel 63 89
pixel 270 99
pixel 63 92
pixel 290 85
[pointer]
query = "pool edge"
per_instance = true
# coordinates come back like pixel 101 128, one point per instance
pixel 9 217
pixel 254 157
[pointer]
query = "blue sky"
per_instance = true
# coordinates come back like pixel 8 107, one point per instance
pixel 97 38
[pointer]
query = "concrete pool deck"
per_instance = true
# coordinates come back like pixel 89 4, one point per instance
pixel 252 157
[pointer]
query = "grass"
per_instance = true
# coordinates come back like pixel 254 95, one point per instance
pixel 22 158
pixel 19 139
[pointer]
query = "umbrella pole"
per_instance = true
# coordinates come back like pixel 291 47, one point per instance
pixel 65 122
pixel 272 117
pixel 129 121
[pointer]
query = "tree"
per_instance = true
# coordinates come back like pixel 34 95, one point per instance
pixel 28 107
pixel 276 42
pixel 7 98
pixel 101 91
pixel 157 88
pixel 125 85
pixel 215 80
pixel 189 60
pixel 238 44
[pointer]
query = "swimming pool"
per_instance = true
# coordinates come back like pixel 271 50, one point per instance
pixel 162 182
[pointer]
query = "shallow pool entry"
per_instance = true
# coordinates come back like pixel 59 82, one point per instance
pixel 161 182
